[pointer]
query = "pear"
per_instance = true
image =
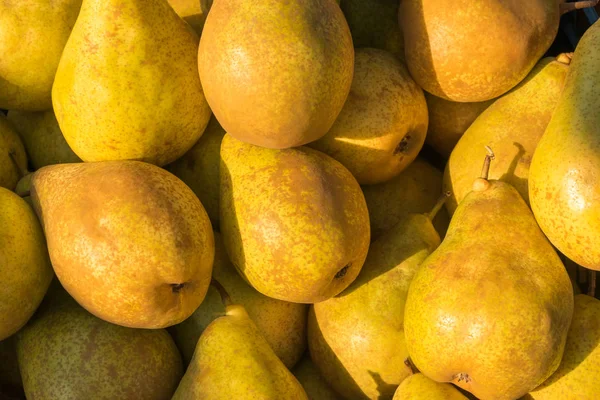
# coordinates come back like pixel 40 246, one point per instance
pixel 420 387
pixel 43 140
pixel 383 124
pixel 415 190
pixel 563 181
pixel 357 337
pixel 193 12
pixel 283 324
pixel 127 86
pixel 512 126
pixel 233 361
pixel 313 383
pixel 34 33
pixel 25 271
pixel 67 353
pixel 469 53
pixel 489 309
pixel 199 169
pixel 13 159
pixel 577 378
pixel 294 222
pixel 448 121
pixel 282 85
pixel 128 240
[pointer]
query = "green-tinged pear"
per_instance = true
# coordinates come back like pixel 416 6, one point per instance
pixel 312 381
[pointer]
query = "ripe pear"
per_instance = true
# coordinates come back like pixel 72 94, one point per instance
pixel 25 271
pixel 199 169
pixel 313 383
pixel 282 85
pixel 234 361
pixel 512 126
pixel 420 387
pixel 34 33
pixel 127 86
pixel 578 377
pixel 383 124
pixel 283 324
pixel 13 159
pixel 448 121
pixel 294 222
pixel 415 190
pixel 193 12
pixel 357 337
pixel 468 52
pixel 490 308
pixel 67 353
pixel 128 240
pixel 563 182
pixel 43 140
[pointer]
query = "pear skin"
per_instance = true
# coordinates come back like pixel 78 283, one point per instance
pixel 420 387
pixel 127 85
pixel 313 383
pixel 128 240
pixel 294 222
pixel 13 159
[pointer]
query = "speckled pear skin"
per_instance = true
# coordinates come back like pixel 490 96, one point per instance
pixel 128 240
pixel 276 73
pixel 294 222
pixel 468 52
pixel 383 124
pixel 127 86
pixel 357 338
pixel 313 383
pixel 564 184
pixel 577 378
pixel 512 126
pixel 420 387
pixel 34 33
pixel 25 270
pixel 489 309
pixel 10 142
pixel 283 324
pixel 234 361
pixel 67 353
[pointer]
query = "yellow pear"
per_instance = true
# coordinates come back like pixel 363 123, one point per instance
pixel 194 12
pixel 276 73
pixel 420 387
pixel 13 159
pixel 294 222
pixel 382 126
pixel 313 383
pixel 128 240
pixel 127 85
pixel 25 270
pixel 563 181
pixel 33 34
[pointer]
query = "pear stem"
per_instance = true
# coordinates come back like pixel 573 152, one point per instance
pixel 20 170
pixel 438 206
pixel 568 7
pixel 224 295
pixel 592 284
pixel 485 171
pixel 411 367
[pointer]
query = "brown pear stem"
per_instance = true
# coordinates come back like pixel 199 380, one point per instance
pixel 224 295
pixel 592 284
pixel 485 171
pixel 438 206
pixel 578 5
pixel 20 170
pixel 411 367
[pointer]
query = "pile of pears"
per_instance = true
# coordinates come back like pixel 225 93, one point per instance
pixel 298 199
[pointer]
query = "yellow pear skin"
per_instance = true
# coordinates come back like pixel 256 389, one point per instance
pixel 563 181
pixel 127 86
pixel 357 338
pixel 415 190
pixel 313 383
pixel 26 271
pixel 234 361
pixel 283 324
pixel 420 387
pixel 282 85
pixel 383 124
pixel 199 168
pixel 578 377
pixel 67 353
pixel 193 12
pixel 13 159
pixel 128 240
pixel 34 33
pixel 294 222
pixel 512 126
pixel 490 308
pixel 43 140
